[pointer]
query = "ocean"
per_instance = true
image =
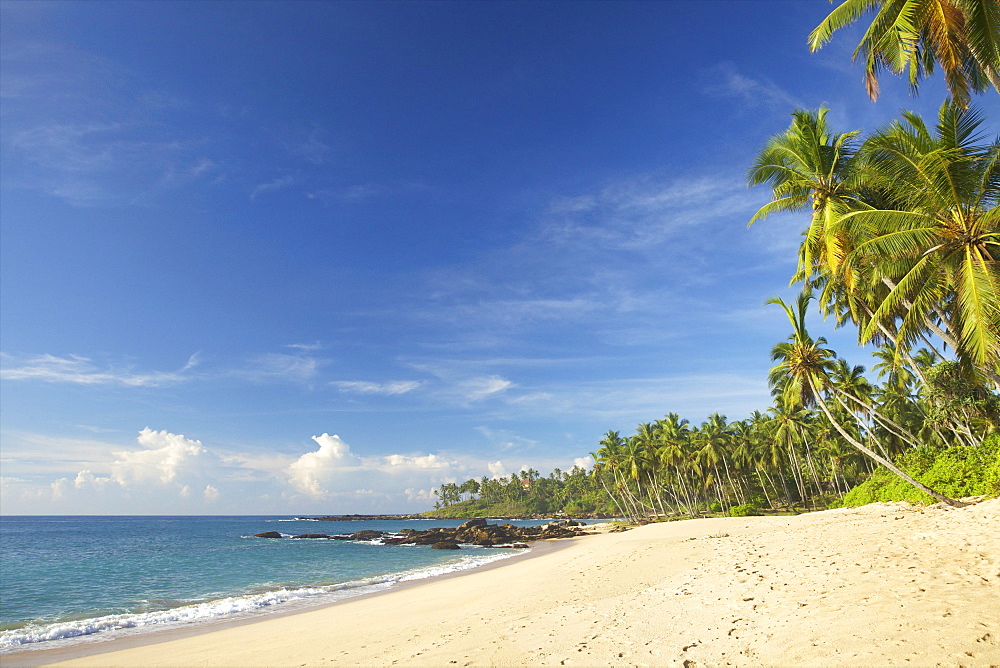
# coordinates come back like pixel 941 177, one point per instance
pixel 70 580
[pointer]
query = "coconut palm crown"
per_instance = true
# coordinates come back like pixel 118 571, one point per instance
pixel 910 37
pixel 937 248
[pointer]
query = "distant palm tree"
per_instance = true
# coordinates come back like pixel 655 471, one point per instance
pixel 714 439
pixel 607 458
pixel 789 427
pixel 907 37
pixel 673 454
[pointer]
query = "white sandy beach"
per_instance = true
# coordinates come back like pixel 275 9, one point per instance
pixel 886 584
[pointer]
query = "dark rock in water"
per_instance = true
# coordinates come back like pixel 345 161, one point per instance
pixel 445 545
pixel 367 534
pixel 520 546
pixel 268 534
pixel 480 532
pixel 311 535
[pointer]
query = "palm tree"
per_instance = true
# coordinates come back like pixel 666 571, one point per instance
pixel 892 367
pixel 788 427
pixel 714 438
pixel 937 249
pixel 647 437
pixel 803 372
pixel 766 454
pixel 910 36
pixel 808 166
pixel 607 458
pixel 674 437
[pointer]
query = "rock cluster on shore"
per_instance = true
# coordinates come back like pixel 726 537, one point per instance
pixel 473 532
pixel 441 515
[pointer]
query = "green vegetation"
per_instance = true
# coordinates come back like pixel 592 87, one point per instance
pixel 962 470
pixel 576 493
pixel 902 241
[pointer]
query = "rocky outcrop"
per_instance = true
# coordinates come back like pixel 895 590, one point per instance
pixel 480 532
pixel 367 534
pixel 473 532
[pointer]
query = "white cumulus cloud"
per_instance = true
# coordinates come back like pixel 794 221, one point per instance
pixel 333 468
pixel 311 472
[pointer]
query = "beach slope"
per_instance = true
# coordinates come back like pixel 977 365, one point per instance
pixel 884 584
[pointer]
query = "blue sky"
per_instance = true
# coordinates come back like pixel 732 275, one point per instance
pixel 321 257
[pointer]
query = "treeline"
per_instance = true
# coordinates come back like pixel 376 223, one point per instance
pixel 787 458
pixel 790 457
pixel 523 494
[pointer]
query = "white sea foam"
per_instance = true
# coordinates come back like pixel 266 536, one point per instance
pixel 107 626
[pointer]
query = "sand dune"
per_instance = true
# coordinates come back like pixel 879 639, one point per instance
pixel 885 584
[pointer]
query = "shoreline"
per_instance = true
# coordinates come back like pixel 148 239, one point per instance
pixel 39 656
pixel 884 584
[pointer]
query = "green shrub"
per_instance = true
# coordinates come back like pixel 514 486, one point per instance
pixel 745 510
pixel 956 472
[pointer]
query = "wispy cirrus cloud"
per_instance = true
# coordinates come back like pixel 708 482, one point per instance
pixel 362 192
pixel 388 388
pixel 644 212
pixel 79 370
pixel 458 385
pixel 309 145
pixel 726 81
pixel 619 256
pixel 271 186
pixel 628 400
pixel 91 164
pixel 298 367
pixel 75 128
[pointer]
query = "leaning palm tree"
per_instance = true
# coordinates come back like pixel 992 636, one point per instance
pixel 803 373
pixel 908 37
pixel 934 255
pixel 607 458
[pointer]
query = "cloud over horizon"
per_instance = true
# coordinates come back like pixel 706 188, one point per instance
pixel 170 473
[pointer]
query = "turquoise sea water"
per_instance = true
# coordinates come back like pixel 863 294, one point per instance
pixel 66 580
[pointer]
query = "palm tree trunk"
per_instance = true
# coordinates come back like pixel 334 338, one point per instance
pixel 763 488
pixel 612 496
pixel 881 460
